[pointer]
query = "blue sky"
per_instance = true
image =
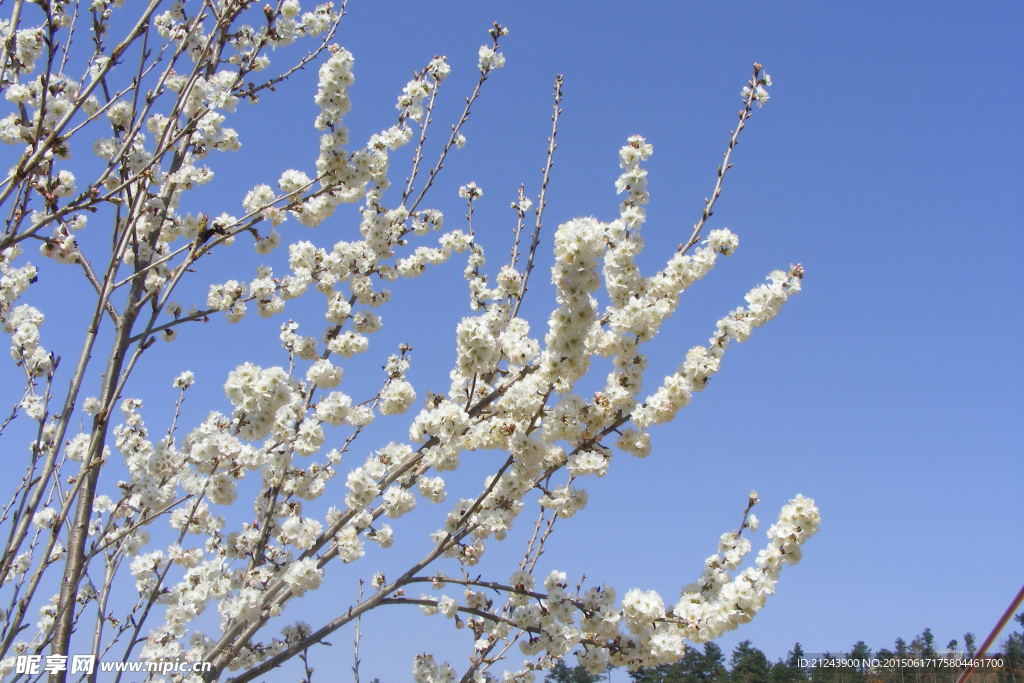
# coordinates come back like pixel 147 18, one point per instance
pixel 890 162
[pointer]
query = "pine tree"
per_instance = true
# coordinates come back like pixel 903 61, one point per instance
pixel 712 665
pixel 828 674
pixel 1013 654
pixel 560 673
pixel 749 665
pixel 969 644
pixel 860 652
pixel 789 669
pixel 692 668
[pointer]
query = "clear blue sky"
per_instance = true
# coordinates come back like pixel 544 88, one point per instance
pixel 890 162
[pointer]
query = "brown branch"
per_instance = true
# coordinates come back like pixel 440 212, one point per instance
pixel 542 201
pixel 734 138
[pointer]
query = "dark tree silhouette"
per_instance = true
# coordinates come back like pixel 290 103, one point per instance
pixel 749 665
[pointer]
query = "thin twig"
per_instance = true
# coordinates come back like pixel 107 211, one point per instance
pixel 356 638
pixel 734 138
pixel 542 201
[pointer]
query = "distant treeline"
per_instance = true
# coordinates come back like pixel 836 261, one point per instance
pixel 919 661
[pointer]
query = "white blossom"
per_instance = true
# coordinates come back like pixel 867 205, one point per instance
pixel 236 510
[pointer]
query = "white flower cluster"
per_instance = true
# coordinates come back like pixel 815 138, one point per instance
pixel 471 192
pixel 759 91
pixel 643 632
pixel 426 670
pixel 185 380
pixel 154 469
pixel 23 323
pixel 38 113
pixel 265 399
pixel 702 362
pixel 718 602
pixel 13 281
pixel 228 297
pixel 633 180
pixel 344 176
pixel 396 397
pixel 336 77
pixel 303 576
pixel 28 45
pixel 259 200
pixel 61 246
pixel 477 344
pixel 200 586
pixel 490 59
pixel 410 102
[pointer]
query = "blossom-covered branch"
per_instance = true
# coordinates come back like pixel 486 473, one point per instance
pixel 190 543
